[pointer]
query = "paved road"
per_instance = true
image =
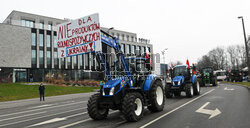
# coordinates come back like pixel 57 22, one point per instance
pixel 229 106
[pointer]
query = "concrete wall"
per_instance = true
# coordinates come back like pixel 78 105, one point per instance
pixel 15 46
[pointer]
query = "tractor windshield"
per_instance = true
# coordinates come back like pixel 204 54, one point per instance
pixel 180 71
pixel 207 70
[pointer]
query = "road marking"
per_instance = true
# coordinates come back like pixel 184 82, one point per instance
pixel 56 119
pixel 175 109
pixel 41 109
pixel 40 117
pixel 69 125
pixel 46 105
pixel 230 89
pixel 212 113
pixel 22 116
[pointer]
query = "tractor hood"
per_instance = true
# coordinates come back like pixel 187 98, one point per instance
pixel 178 80
pixel 113 82
pixel 113 86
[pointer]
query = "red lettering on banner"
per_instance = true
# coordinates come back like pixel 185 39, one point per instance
pixel 68 36
pixel 89 19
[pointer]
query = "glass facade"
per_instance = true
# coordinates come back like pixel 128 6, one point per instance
pixel 33 57
pixel 142 50
pixel 87 59
pixel 41 62
pixel 123 47
pixel 49 26
pixel 55 59
pixel 133 49
pixel 75 60
pixel 48 41
pixel 41 40
pixel 27 23
pixel 41 25
pixel 69 62
pixel 80 59
pixel 48 58
pixel 33 39
pixel 55 41
pixel 128 49
pixel 62 62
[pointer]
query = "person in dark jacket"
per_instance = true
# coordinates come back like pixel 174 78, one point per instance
pixel 41 90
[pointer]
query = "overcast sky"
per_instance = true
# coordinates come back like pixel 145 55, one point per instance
pixel 188 28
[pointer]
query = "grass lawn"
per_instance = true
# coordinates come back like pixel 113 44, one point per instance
pixel 17 91
pixel 242 83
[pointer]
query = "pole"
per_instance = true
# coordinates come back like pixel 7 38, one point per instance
pixel 246 46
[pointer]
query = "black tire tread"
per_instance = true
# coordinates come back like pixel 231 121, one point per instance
pixel 93 110
pixel 154 107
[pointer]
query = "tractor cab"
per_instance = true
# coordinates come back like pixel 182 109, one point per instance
pixel 138 66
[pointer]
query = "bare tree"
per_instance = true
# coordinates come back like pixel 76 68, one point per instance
pixel 218 57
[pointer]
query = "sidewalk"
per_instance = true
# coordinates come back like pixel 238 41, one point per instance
pixel 18 103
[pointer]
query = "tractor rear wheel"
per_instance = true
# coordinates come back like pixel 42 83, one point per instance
pixel 168 92
pixel 133 106
pixel 94 111
pixel 156 97
pixel 189 90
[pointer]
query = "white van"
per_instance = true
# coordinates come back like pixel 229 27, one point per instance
pixel 221 75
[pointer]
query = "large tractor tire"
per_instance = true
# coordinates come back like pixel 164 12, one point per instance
pixel 94 111
pixel 197 88
pixel 156 97
pixel 189 90
pixel 168 92
pixel 133 106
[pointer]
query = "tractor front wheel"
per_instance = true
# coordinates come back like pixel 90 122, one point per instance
pixel 94 111
pixel 156 97
pixel 189 90
pixel 197 88
pixel 133 106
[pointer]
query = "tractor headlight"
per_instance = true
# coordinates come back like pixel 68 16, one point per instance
pixel 112 90
pixel 179 82
pixel 103 93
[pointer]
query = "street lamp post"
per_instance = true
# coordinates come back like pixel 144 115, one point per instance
pixel 246 46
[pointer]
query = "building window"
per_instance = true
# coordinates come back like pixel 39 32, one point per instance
pixel 33 39
pixel 48 41
pixel 122 47
pixel 148 49
pixel 55 59
pixel 122 37
pixel 33 57
pixel 41 40
pixel 127 38
pixel 87 59
pixel 27 23
pixel 128 49
pixel 55 42
pixel 132 39
pixel 41 62
pixel 80 59
pixel 69 62
pixel 48 58
pixel 41 26
pixel 143 50
pixel 62 62
pixel 49 26
pixel 133 49
pixel 139 50
pixel 23 23
pixel 75 60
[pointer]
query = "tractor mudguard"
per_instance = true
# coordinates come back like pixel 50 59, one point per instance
pixel 193 79
pixel 149 81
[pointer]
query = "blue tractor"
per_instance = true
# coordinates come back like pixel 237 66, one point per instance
pixel 183 79
pixel 129 88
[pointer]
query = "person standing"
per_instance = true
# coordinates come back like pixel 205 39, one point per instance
pixel 41 90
